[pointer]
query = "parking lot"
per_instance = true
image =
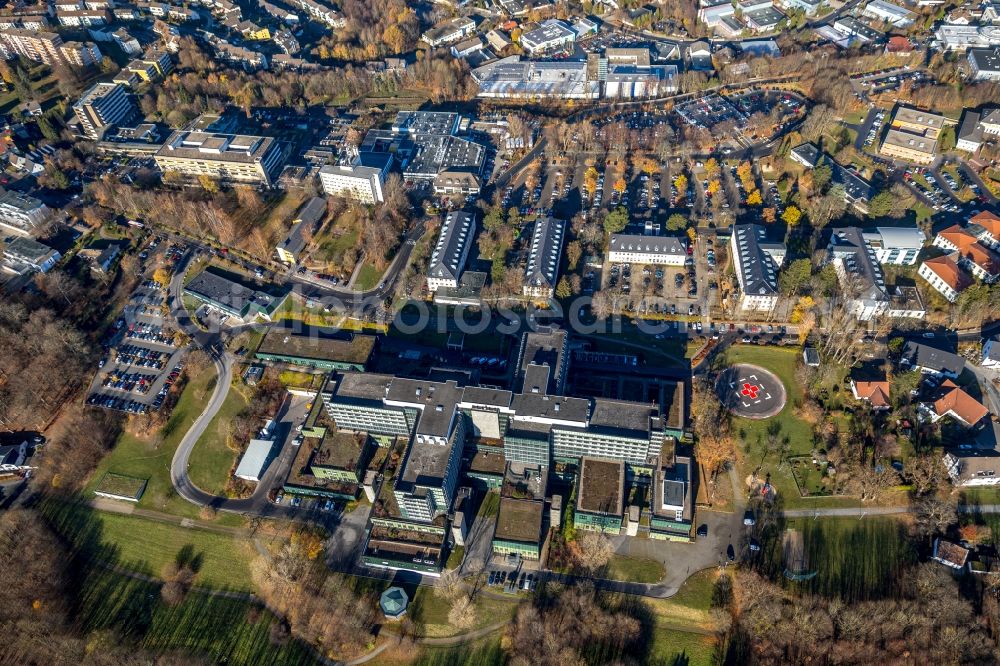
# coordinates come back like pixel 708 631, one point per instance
pixel 142 357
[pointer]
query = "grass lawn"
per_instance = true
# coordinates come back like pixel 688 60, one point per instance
pixel 211 458
pixel 455 557
pixel 634 569
pixel 226 630
pixel 484 652
pixel 432 612
pixel 689 608
pixel 855 559
pixel 150 458
pixel 368 277
pixel 146 546
pixel 671 646
pixel 300 379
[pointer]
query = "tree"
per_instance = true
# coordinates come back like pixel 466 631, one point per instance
pixel 769 214
pixel 649 166
pixel 161 275
pixel 574 250
pixel 563 290
pixel 712 168
pixel 754 198
pixel 616 220
pixel 821 175
pixel 620 185
pixel 714 186
pixel 681 183
pixel 514 217
pixel 45 127
pixel 795 276
pixel 208 183
pixel 676 222
pixel 881 204
pixel 463 613
pixel 590 179
pixel 178 577
pixel 791 216
pixel 934 515
pixel 594 550
pixel 493 219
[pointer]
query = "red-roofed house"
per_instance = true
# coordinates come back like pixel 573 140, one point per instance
pixel 898 44
pixel 973 256
pixel 945 276
pixel 874 393
pixel 986 226
pixel 956 403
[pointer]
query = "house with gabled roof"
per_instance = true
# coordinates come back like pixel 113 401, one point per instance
pixel 944 274
pixel 951 400
pixel 875 393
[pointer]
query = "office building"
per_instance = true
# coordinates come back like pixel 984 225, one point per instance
pixel 317 350
pixel 449 32
pixel 227 157
pixel 363 179
pixel 757 262
pixel 600 496
pixel 985 63
pixel 653 250
pixel 103 106
pixel 551 35
pixel 962 37
pixel 671 509
pixel 303 227
pixel 233 298
pixel 512 77
pixel 21 213
pixel 451 251
pixel 908 147
pixel 894 15
pixel 542 271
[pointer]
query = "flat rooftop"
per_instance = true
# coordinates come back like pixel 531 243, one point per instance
pixel 519 520
pixel 340 450
pixel 622 415
pixel 601 486
pixel 357 349
pixel 359 386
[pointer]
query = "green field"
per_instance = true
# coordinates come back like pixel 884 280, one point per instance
pixel 146 546
pixel 671 646
pixel 211 459
pixel 634 569
pixel 854 559
pixel 368 277
pixel 226 630
pixel 150 459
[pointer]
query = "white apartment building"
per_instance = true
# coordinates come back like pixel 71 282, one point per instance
pixel 227 157
pixel 362 180
pixel 21 213
pixel 899 246
pixel 757 263
pixel 104 105
pixel 543 259
pixel 652 250
pixel 451 251
pixel 944 275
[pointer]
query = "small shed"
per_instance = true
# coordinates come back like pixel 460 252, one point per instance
pixel 254 461
pixel 393 603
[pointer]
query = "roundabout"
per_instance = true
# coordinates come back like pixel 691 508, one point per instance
pixel 751 392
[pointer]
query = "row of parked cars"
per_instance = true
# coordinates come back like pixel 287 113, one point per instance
pixel 511 583
pixel 149 333
pixel 119 404
pixel 140 356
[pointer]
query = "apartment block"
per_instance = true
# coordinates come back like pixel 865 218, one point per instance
pixel 102 106
pixel 226 157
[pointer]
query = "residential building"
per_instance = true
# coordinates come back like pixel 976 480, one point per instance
pixel 857 190
pixel 448 258
pixel 931 360
pixel 551 35
pixel 655 250
pixel 875 393
pixel 894 15
pixel 24 255
pixel 321 12
pixel 991 352
pixel 227 157
pixel 859 273
pixel 985 64
pixel 951 401
pixel 544 255
pixel 899 246
pixel 970 132
pixel 47 47
pixel 806 154
pixel 498 40
pixel 982 262
pixel 981 468
pixel 950 554
pixel 757 262
pixel 104 105
pixel 363 179
pixel 85 18
pixel 908 147
pixel 463 182
pixel 600 495
pixel 905 303
pixel 233 298
pixel 303 227
pixel 21 213
pixel 126 42
pixel 945 276
pixel 451 31
pixel 985 226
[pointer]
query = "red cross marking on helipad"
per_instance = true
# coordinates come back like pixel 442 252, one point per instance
pixel 750 390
